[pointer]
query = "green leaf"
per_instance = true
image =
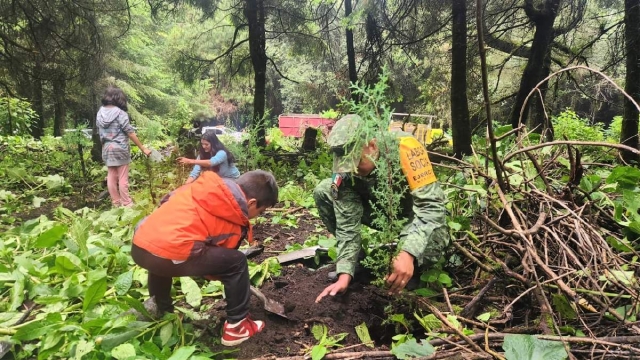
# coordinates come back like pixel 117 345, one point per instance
pixel 333 253
pixel 50 340
pixel 363 334
pixel 68 264
pixel 83 348
pixel 110 341
pixel 51 237
pixel 411 348
pixel 165 333
pixel 123 351
pixel 444 279
pixel 94 294
pixel 150 348
pixel 484 317
pixel 627 177
pixel 123 283
pixel 529 347
pixel 79 232
pixel 562 305
pixel 318 352
pixel 37 201
pixel 17 291
pixel 429 322
pixel 183 353
pixel 34 330
pixel 620 245
pixel 191 291
pixel 319 331
pixel 426 292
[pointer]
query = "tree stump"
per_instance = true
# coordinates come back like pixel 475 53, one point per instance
pixel 310 140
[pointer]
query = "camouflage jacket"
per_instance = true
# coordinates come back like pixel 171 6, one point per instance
pixel 425 236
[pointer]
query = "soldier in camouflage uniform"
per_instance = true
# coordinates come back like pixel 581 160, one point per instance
pixel 344 204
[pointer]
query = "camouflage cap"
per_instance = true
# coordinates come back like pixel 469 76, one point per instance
pixel 342 135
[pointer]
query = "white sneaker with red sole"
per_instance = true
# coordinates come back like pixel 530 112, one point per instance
pixel 235 334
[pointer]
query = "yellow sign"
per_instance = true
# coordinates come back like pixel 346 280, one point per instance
pixel 415 163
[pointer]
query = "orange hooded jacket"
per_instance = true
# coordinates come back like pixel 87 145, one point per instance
pixel 211 211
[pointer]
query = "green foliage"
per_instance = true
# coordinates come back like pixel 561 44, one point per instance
pixel 258 273
pixel 612 134
pixel 292 193
pixel 363 334
pixel 437 277
pixel 79 265
pixel 529 347
pixel 569 124
pixel 141 63
pixel 325 342
pixel 16 116
pixel 374 111
pixel 411 349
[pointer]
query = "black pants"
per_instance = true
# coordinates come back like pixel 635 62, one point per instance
pixel 227 265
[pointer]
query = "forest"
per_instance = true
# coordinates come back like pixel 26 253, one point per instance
pixel 531 109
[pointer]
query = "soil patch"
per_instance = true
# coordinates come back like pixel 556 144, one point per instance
pixel 297 288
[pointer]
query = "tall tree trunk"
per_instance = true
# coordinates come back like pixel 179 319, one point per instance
pixel 96 149
pixel 254 12
pixel 59 106
pixel 351 52
pixel 460 125
pixel 629 132
pixel 37 128
pixel 543 18
pixel 538 119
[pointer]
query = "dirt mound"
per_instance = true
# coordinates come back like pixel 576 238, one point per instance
pixel 297 288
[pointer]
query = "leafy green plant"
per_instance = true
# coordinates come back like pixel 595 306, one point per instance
pixel 363 334
pixel 529 347
pixel 16 116
pixel 292 193
pixel 412 349
pixel 325 342
pixel 258 273
pixel 387 218
pixel 76 269
pixel 569 124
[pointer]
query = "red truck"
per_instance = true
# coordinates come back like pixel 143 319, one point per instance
pixel 295 124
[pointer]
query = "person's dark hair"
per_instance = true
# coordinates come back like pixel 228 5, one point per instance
pixel 116 97
pixel 216 145
pixel 260 185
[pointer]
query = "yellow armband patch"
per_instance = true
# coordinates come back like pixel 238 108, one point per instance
pixel 415 163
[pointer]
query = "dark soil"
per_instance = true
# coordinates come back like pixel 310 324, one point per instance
pixel 297 289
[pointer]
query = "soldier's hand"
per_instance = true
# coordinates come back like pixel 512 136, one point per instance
pixel 338 287
pixel 402 272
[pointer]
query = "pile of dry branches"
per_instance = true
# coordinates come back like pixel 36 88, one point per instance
pixel 541 258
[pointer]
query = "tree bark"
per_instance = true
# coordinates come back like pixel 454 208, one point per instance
pixel 543 19
pixel 59 106
pixel 629 132
pixel 254 12
pixel 461 127
pixel 351 52
pixel 538 119
pixel 37 128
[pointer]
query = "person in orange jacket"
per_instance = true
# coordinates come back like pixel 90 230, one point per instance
pixel 197 232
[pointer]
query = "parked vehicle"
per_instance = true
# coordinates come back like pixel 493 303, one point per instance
pixel 85 132
pixel 221 130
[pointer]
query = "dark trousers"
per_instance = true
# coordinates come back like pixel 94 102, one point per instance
pixel 227 265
